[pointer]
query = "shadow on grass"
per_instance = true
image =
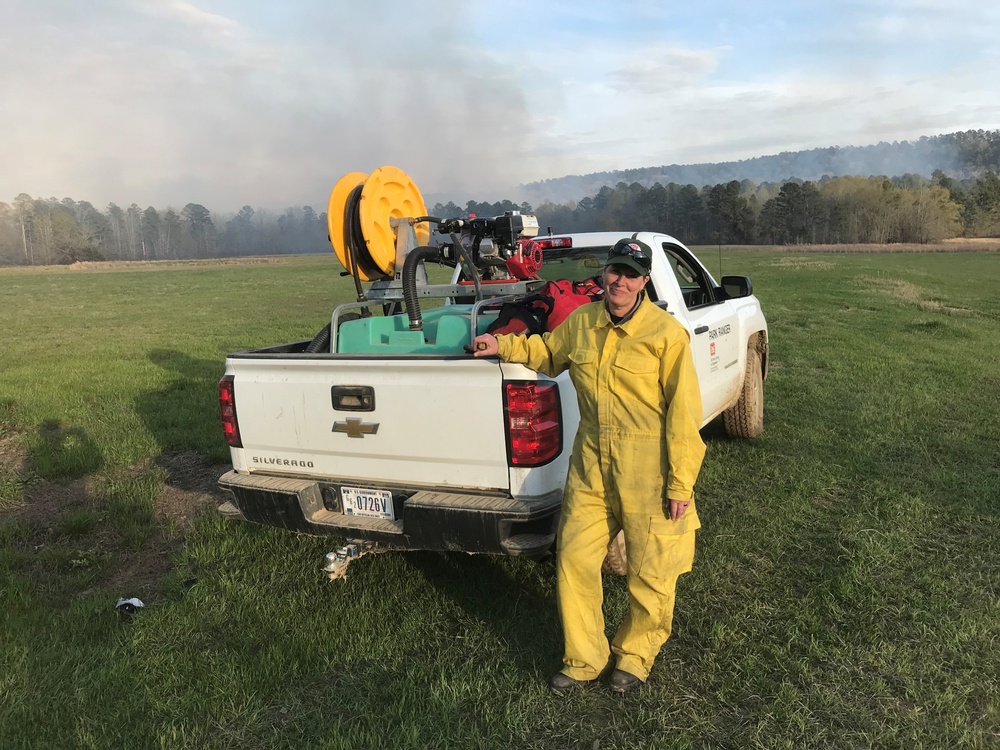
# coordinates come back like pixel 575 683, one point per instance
pixel 519 610
pixel 61 453
pixel 183 415
pixel 716 431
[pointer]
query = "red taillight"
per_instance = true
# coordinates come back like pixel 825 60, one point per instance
pixel 547 243
pixel 227 408
pixel 534 427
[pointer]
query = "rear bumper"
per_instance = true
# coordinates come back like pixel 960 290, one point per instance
pixel 426 520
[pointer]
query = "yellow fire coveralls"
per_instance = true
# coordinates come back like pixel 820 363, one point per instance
pixel 637 448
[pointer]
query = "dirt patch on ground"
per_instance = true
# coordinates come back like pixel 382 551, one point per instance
pixel 946 246
pixel 191 486
pixel 112 265
pixel 60 529
pixel 12 451
pixel 189 489
pixel 976 241
pixel 803 264
pixel 911 294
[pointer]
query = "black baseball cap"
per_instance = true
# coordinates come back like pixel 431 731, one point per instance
pixel 632 253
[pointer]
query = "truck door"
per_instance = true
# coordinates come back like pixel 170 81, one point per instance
pixel 715 342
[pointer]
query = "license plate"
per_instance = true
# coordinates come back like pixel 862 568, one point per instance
pixel 366 502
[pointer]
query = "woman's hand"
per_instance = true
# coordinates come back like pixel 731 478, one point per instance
pixel 485 345
pixel 678 508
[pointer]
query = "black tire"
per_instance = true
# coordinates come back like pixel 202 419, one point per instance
pixel 745 419
pixel 615 561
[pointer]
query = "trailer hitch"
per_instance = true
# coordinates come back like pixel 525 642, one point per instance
pixel 335 563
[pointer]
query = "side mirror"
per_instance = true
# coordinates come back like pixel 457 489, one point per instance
pixel 736 287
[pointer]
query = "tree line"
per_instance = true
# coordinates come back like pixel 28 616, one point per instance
pixel 48 231
pixel 833 210
pixel 911 209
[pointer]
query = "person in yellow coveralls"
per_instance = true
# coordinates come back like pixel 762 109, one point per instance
pixel 635 459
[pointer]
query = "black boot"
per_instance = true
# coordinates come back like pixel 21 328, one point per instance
pixel 623 682
pixel 562 683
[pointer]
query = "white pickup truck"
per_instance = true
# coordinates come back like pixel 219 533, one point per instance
pixel 391 436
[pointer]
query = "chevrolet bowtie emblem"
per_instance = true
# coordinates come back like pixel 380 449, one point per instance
pixel 356 428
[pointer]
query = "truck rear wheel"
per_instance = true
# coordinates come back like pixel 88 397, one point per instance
pixel 615 561
pixel 746 418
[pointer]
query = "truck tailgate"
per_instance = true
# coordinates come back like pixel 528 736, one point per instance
pixel 413 431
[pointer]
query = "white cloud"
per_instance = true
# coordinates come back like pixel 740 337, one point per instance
pixel 221 102
pixel 659 69
pixel 915 22
pixel 212 25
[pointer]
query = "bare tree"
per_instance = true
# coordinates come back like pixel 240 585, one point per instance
pixel 117 219
pixel 24 207
pixel 150 232
pixel 133 232
pixel 169 233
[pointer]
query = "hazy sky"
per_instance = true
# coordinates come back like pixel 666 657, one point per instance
pixel 233 102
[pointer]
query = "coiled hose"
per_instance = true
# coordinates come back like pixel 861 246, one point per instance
pixel 413 258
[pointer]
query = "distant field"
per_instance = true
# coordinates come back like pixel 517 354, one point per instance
pixel 845 592
pixel 956 245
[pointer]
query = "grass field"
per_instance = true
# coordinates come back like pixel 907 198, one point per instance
pixel 845 592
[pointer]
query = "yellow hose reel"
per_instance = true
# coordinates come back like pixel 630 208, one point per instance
pixel 358 217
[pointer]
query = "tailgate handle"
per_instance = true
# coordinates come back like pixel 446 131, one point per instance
pixel 353 397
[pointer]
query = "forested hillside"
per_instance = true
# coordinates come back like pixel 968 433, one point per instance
pixel 852 210
pixel 960 200
pixel 961 156
pixel 836 210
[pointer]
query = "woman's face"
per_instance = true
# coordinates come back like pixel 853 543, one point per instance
pixel 622 285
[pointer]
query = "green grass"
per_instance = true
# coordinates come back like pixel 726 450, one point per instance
pixel 845 592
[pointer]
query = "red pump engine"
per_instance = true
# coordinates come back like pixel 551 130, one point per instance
pixel 526 260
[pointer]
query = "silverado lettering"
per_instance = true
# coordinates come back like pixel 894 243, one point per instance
pixel 281 462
